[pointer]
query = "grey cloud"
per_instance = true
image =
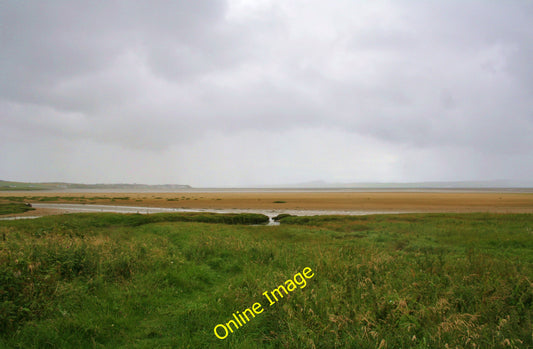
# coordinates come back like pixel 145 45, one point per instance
pixel 156 75
pixel 46 42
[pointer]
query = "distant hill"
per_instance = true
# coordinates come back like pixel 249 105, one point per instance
pixel 12 186
pixel 411 185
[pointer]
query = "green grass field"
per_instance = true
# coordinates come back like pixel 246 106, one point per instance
pixel 166 280
pixel 12 208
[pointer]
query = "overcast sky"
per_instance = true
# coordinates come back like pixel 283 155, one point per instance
pixel 257 92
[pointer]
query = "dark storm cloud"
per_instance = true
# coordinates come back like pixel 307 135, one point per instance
pixel 403 77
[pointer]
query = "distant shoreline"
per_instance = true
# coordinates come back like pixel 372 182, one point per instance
pixel 451 186
pixel 275 190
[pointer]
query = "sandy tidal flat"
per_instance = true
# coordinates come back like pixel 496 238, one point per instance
pixel 326 201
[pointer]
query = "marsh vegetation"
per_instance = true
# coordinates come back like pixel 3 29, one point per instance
pixel 165 280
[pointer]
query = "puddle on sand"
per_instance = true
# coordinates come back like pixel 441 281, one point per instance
pixel 18 217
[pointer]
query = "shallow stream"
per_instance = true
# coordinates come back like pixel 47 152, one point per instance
pixel 70 208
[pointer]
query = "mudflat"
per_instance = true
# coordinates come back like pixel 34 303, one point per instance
pixel 515 202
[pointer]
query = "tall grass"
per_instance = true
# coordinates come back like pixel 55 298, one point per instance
pixel 396 281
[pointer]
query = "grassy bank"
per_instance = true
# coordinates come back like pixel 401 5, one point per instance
pixel 12 208
pixel 132 281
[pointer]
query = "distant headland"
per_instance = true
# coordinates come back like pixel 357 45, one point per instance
pixel 13 186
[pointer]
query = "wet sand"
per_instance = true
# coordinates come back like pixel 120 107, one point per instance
pixel 402 201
